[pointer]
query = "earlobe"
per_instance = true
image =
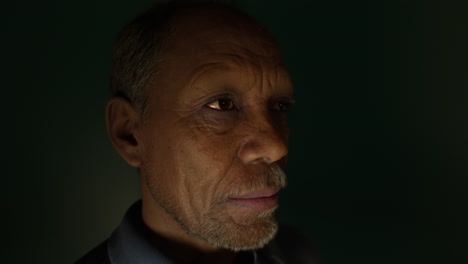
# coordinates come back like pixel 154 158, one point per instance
pixel 122 121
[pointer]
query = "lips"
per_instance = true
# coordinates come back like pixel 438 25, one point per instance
pixel 259 194
pixel 259 200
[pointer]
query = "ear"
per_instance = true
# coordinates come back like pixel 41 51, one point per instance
pixel 122 121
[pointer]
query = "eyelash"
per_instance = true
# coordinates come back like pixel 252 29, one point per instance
pixel 223 97
pixel 286 103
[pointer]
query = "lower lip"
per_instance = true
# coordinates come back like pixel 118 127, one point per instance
pixel 258 204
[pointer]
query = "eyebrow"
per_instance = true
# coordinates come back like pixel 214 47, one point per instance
pixel 222 62
pixel 196 74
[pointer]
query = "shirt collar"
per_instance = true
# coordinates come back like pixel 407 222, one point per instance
pixel 132 242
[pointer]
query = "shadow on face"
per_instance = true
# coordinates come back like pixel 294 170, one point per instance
pixel 216 134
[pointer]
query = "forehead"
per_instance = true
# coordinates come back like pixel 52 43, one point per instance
pixel 220 33
pixel 207 39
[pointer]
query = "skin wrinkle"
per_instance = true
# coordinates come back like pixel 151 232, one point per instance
pixel 201 165
pixel 260 126
pixel 210 124
pixel 223 174
pixel 242 61
pixel 253 127
pixel 196 75
pixel 230 61
pixel 260 216
pixel 214 186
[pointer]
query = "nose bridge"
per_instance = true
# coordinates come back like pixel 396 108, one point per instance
pixel 264 139
pixel 263 124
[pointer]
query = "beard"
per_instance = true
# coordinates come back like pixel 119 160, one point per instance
pixel 218 229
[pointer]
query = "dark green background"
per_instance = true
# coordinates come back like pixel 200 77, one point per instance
pixel 378 161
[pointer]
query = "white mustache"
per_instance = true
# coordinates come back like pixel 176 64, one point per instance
pixel 273 176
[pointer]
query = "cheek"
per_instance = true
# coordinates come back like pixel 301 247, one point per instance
pixel 191 161
pixel 163 161
pixel 212 139
pixel 211 157
pixel 211 149
pixel 215 122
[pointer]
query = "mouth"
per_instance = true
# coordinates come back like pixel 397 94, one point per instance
pixel 261 200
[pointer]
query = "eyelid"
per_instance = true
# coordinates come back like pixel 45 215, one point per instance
pixel 223 97
pixel 289 101
pixel 285 100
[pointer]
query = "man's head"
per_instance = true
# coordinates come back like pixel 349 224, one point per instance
pixel 210 135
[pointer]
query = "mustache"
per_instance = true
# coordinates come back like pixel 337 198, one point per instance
pixel 272 176
pixel 275 176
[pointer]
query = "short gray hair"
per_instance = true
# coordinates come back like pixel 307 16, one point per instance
pixel 140 48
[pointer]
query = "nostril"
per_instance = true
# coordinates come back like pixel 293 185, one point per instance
pixel 264 160
pixel 263 148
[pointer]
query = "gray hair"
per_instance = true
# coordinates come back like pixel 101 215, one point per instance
pixel 139 50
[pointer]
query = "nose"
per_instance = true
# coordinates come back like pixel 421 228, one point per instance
pixel 264 142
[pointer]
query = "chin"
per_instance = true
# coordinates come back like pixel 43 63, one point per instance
pixel 250 234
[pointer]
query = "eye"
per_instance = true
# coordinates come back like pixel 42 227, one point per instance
pixel 282 106
pixel 222 104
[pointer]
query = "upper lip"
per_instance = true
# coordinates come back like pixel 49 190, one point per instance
pixel 259 194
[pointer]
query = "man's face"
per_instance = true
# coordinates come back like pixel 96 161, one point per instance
pixel 216 134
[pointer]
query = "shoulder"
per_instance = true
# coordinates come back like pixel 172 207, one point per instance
pixel 98 255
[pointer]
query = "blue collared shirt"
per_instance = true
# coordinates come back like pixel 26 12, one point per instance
pixel 134 243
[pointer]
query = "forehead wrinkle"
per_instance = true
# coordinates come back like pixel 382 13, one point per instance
pixel 223 62
pixel 268 79
pixel 262 69
pixel 230 59
pixel 255 53
pixel 202 69
pixel 271 77
pixel 193 77
pixel 236 58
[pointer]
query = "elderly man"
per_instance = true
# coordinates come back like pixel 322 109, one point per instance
pixel 200 108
